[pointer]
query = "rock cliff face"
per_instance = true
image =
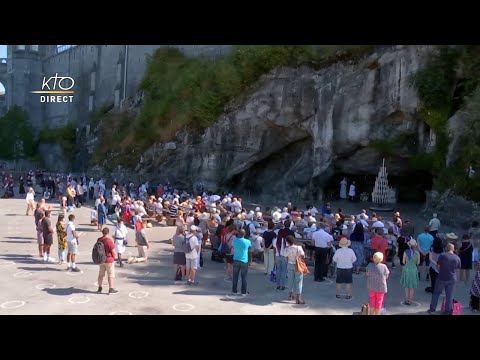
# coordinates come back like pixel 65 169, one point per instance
pixel 301 126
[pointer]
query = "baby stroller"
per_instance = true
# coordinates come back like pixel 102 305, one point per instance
pixel 216 254
pixel 93 218
pixel 8 191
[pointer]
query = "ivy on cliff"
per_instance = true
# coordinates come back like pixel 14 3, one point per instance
pixel 16 136
pixel 65 136
pixel 449 83
pixel 193 92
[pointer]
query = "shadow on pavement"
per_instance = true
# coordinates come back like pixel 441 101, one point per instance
pixel 20 238
pixel 16 242
pixel 67 291
pixel 39 269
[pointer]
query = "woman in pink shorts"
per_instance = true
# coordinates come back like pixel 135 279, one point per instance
pixel 377 275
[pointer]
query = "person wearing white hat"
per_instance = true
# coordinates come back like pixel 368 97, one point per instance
pixel 344 259
pixel 410 278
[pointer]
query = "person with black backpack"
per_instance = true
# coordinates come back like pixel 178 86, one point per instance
pixel 104 255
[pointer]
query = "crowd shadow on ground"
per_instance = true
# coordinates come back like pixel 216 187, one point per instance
pixel 67 291
pixel 212 281
pixel 38 268
pixel 20 238
pixel 21 259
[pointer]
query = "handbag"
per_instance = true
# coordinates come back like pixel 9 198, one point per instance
pixel 364 310
pixel 273 274
pixel 300 265
pixel 456 306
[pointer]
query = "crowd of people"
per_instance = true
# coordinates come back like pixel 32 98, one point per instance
pixel 340 245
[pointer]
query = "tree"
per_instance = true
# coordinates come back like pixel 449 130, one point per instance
pixel 16 138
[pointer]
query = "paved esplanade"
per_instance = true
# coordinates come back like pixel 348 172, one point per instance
pixel 29 286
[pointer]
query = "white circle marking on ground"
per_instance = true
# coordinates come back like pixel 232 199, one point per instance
pixel 45 286
pixel 413 304
pixel 227 280
pixel 12 304
pixel 140 273
pixel 22 274
pixel 154 261
pixel 299 306
pixel 73 273
pixel 121 312
pixel 138 294
pixel 79 299
pixel 183 307
pixel 6 263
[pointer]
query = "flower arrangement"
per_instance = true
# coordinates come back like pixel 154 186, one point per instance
pixel 364 196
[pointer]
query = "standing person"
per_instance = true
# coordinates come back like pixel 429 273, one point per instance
pixel 142 244
pixel 101 213
pixel 380 244
pixel 357 237
pixel 475 290
pixel 343 188
pixel 409 278
pixel 465 253
pixel 241 248
pixel 281 260
pixel 377 276
pixel 91 186
pixel 30 198
pixel 344 258
pixel 448 263
pixel 437 249
pixel 62 238
pixel 72 243
pixel 269 252
pixel 108 266
pixel 120 234
pixel 191 257
pixel 434 225
pixel 39 217
pixel 321 240
pixel 352 191
pixel 295 279
pixel 178 243
pixel 47 229
pixel 21 185
pixel 425 242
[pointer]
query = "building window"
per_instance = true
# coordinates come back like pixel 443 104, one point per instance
pixel 20 47
pixel 90 103
pixel 34 47
pixel 117 98
pixel 92 81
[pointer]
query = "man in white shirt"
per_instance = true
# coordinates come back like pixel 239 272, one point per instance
pixel 434 225
pixel 378 224
pixel 321 240
pixel 236 206
pixel 191 257
pixel 72 244
pixel 30 200
pixel 284 214
pixel 364 213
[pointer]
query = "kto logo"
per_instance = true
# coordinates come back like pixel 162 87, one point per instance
pixel 58 85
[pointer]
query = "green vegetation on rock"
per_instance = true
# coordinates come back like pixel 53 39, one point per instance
pixel 16 137
pixel 65 136
pixel 448 84
pixel 182 92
